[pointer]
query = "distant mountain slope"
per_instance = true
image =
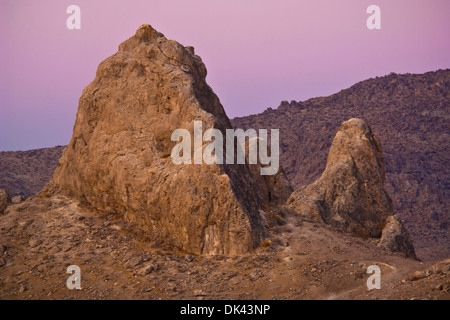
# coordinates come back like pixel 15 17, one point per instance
pixel 410 114
pixel 26 172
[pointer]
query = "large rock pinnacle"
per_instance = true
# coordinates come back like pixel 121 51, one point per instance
pixel 350 194
pixel 118 160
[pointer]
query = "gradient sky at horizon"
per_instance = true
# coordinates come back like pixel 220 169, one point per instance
pixel 258 52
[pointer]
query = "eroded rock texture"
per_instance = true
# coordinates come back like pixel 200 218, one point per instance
pixel 119 157
pixel 350 194
pixel 396 238
pixel 5 200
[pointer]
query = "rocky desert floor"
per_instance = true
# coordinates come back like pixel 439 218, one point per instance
pixel 41 237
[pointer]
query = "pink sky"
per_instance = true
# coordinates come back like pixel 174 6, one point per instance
pixel 258 52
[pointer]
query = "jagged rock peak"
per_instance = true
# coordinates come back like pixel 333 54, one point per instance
pixel 118 160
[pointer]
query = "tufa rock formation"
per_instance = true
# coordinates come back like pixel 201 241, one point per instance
pixel 5 200
pixel 118 160
pixel 395 238
pixel 350 194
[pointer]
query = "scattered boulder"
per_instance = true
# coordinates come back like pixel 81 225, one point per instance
pixel 118 160
pixel 418 275
pixel 395 238
pixel 148 268
pixel 350 193
pixel 282 242
pixel 438 287
pixel 5 200
pixel 33 243
pixel 17 199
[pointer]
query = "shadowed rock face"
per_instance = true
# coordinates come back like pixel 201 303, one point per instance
pixel 396 238
pixel 5 200
pixel 350 193
pixel 276 188
pixel 118 160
